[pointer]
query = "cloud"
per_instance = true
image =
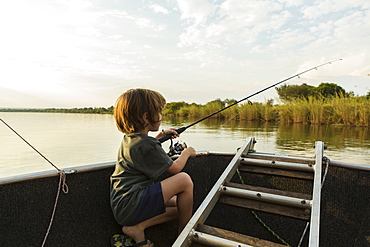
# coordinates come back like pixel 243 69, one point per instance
pixel 320 8
pixel 287 33
pixel 291 3
pixel 159 9
pixel 343 37
pixel 235 30
pixel 196 11
pixel 289 39
pixel 233 22
pixel 348 27
pixel 267 25
pixel 67 45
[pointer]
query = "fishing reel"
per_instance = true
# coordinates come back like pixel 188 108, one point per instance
pixel 177 148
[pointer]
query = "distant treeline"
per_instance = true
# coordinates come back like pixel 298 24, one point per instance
pixel 326 104
pixel 94 110
pixel 353 111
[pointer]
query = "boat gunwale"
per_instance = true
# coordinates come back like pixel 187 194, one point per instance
pixel 98 166
pixel 83 168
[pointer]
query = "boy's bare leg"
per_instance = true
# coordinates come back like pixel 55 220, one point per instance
pixel 181 185
pixel 137 232
pixel 180 206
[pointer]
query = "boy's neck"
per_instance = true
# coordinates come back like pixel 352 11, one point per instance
pixel 144 131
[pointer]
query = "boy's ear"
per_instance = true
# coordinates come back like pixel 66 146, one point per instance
pixel 145 117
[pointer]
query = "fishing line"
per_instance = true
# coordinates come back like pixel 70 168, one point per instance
pixel 239 112
pixel 30 145
pixel 182 129
pixel 61 186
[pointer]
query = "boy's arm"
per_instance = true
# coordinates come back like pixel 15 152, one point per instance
pixel 180 162
pixel 165 132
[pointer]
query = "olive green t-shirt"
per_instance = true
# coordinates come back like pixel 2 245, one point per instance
pixel 140 162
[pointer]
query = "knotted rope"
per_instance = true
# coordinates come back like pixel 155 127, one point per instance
pixel 62 180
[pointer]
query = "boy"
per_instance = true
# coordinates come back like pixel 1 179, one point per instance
pixel 138 199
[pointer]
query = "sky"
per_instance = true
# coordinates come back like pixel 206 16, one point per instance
pixel 85 53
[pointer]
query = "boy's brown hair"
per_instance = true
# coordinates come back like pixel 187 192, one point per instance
pixel 131 106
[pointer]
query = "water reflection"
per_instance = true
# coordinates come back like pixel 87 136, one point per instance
pixel 287 134
pixel 215 123
pixel 336 137
pixel 345 143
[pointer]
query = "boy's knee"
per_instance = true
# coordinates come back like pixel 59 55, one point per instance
pixel 186 179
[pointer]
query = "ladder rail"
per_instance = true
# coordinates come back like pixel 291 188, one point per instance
pixel 185 237
pixel 316 197
pixel 260 195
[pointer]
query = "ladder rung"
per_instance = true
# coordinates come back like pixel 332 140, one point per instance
pixel 277 164
pixel 276 172
pixel 291 212
pixel 210 240
pixel 223 236
pixel 267 197
pixel 269 190
pixel 272 208
pixel 295 159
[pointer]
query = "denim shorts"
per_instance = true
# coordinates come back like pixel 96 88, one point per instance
pixel 151 205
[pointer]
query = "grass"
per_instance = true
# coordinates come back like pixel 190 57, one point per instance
pixel 351 111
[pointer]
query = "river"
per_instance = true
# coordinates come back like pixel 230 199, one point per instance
pixel 72 140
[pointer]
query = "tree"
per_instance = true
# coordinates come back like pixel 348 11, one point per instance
pixel 172 108
pixel 228 102
pixel 290 92
pixel 111 109
pixel 214 106
pixel 326 89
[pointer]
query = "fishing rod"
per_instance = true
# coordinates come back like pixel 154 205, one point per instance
pixel 182 129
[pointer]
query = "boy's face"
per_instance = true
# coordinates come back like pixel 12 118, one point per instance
pixel 155 126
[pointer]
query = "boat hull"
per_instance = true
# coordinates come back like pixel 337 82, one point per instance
pixel 84 218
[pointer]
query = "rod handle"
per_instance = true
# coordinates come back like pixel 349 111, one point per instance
pixel 167 137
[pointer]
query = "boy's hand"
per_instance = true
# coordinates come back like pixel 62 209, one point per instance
pixel 170 131
pixel 191 151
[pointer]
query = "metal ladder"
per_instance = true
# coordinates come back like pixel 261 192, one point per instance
pixel 279 202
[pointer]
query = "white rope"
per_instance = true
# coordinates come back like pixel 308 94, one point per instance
pixel 65 189
pixel 62 180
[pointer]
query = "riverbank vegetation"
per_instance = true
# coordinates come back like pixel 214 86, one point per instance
pixel 90 110
pixel 353 111
pixel 326 104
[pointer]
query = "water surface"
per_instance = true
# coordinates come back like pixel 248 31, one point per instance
pixel 72 140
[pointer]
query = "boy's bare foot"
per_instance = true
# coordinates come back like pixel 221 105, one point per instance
pixel 137 234
pixel 146 243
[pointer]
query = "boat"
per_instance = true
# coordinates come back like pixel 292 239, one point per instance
pixel 36 212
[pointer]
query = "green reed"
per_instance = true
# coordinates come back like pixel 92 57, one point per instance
pixel 351 111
